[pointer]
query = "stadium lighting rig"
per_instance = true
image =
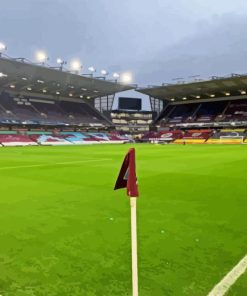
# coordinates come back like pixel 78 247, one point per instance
pixel 115 76
pixel 75 65
pixel 41 56
pixel 126 78
pixel 3 47
pixel 104 72
pixel 91 69
pixel 61 63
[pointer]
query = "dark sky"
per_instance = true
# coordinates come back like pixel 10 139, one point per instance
pixel 157 40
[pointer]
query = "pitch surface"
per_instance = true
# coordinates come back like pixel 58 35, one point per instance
pixel 64 231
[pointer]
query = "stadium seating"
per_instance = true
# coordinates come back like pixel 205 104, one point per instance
pixel 63 138
pixel 35 110
pixel 194 137
pixel 209 111
pixel 236 111
pixel 16 140
pixel 163 136
pixel 49 139
pixel 206 112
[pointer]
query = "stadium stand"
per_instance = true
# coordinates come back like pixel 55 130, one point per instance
pixel 163 136
pixel 194 137
pixel 8 138
pixel 40 111
pixel 50 139
pixel 236 111
pixel 16 140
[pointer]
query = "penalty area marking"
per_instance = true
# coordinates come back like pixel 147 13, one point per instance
pixel 52 164
pixel 228 280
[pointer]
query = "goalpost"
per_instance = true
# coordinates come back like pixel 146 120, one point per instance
pixel 229 138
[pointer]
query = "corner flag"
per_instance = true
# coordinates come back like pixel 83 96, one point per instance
pixel 127 179
pixel 127 175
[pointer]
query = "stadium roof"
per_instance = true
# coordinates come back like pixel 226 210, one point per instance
pixel 235 85
pixel 26 77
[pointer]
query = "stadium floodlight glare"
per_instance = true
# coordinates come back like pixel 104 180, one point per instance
pixel 41 56
pixel 75 65
pixel 60 61
pixel 3 47
pixel 116 75
pixel 104 72
pixel 91 69
pixel 2 75
pixel 126 77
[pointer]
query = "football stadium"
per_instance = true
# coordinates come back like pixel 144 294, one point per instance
pixel 70 137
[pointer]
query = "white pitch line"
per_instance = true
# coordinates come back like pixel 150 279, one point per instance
pixel 51 164
pixel 225 284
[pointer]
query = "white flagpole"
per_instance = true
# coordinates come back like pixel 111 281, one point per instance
pixel 134 246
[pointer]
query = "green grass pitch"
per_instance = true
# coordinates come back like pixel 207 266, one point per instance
pixel 65 232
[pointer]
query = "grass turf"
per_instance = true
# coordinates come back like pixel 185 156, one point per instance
pixel 64 231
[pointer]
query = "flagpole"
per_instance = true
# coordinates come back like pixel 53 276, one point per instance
pixel 134 246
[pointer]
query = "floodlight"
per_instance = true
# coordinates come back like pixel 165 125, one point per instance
pixel 126 77
pixel 59 61
pixel 104 72
pixel 41 56
pixel 75 65
pixel 116 75
pixel 91 69
pixel 3 47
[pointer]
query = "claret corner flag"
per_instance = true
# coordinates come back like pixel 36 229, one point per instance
pixel 127 175
pixel 127 179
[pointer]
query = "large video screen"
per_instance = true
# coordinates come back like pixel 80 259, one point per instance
pixel 129 103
